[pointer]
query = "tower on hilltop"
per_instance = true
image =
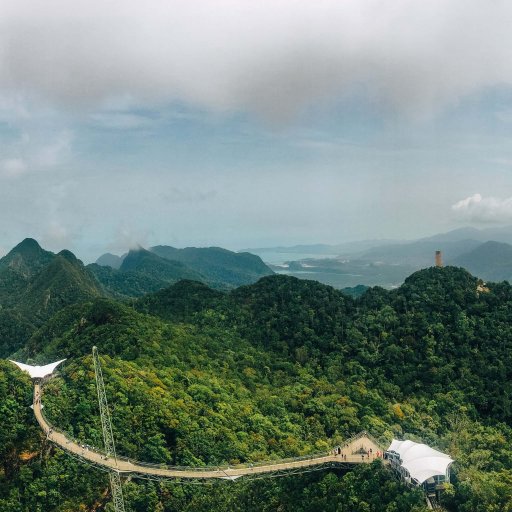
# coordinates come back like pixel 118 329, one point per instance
pixel 439 259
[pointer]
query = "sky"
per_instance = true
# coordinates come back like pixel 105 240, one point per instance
pixel 249 124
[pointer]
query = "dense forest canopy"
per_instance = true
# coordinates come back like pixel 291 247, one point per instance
pixel 275 369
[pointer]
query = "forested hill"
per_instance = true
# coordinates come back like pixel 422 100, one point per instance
pixel 35 283
pixel 283 367
pixel 222 267
pixel 142 271
pixel 436 333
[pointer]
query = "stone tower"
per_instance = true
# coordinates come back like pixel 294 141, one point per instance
pixel 439 259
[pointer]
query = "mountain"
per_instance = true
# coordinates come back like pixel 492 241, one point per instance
pixel 456 235
pixel 276 369
pixel 408 251
pixel 62 282
pixel 146 262
pixel 110 260
pixel 276 255
pixel 33 279
pixel 34 285
pixel 374 262
pixel 180 301
pixel 26 258
pixel 491 261
pixel 221 268
pixel 499 234
pixel 18 266
pixel 142 271
pixel 419 254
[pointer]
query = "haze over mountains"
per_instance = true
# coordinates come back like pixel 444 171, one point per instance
pixel 35 283
pixel 387 263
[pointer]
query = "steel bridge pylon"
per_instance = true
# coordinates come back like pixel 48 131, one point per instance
pixel 108 436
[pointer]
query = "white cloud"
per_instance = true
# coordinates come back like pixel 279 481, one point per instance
pixel 175 194
pixel 55 152
pixel 35 153
pixel 500 161
pixel 56 236
pixel 271 57
pixel 129 237
pixel 13 167
pixel 504 115
pixel 120 120
pixel 484 209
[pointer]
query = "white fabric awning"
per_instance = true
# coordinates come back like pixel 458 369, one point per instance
pixel 38 371
pixel 421 461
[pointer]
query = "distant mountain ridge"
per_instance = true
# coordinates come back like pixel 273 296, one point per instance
pixel 163 265
pixel 35 283
pixel 220 266
pixel 491 261
pixel 110 260
pixel 418 254
pixel 141 260
pixel 329 249
pixel 499 234
pixel 388 262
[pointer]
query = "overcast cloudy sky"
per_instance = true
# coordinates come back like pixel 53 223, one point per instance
pixel 241 124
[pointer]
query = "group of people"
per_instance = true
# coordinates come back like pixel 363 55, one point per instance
pixel 369 453
pixel 337 451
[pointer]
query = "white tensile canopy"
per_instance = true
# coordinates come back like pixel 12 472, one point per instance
pixel 38 371
pixel 421 461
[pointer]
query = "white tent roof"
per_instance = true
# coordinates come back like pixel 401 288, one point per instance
pixel 420 460
pixel 38 371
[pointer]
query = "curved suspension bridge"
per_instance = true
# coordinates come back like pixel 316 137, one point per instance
pixel 360 449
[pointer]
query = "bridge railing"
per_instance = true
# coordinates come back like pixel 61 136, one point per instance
pixel 205 468
pixel 69 437
pixel 360 435
pixel 224 467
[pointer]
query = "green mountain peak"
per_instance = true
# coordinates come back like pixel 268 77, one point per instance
pixel 26 258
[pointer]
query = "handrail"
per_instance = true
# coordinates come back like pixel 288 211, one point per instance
pixel 214 471
pixel 363 433
pixel 162 465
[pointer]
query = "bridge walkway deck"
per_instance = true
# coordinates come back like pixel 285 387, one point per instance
pixel 353 452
